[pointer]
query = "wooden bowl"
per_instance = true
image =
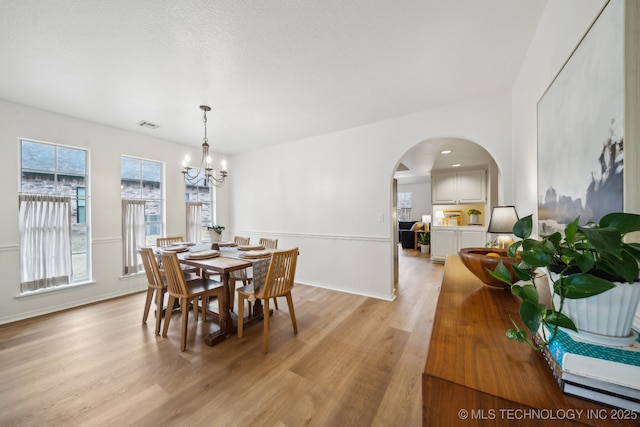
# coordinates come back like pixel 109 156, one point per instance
pixel 477 261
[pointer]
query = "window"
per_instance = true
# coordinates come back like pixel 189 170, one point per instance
pixel 204 196
pixel 405 202
pixel 143 206
pixel 142 180
pixel 54 230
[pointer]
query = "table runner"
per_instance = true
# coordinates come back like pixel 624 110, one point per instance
pixel 260 266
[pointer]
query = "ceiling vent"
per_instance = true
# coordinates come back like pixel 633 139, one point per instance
pixel 146 124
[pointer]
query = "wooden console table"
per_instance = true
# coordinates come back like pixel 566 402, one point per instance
pixel 475 376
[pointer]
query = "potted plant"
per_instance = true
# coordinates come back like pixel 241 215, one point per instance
pixel 424 240
pixel 588 264
pixel 474 216
pixel 215 231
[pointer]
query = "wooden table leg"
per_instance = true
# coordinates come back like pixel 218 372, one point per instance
pixel 226 322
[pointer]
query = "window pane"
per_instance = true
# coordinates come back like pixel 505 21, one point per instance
pixel 152 232
pixel 78 238
pixel 153 210
pixel 38 183
pixel 71 161
pixel 204 194
pixel 36 156
pixel 68 185
pixel 206 213
pixel 191 193
pixel 151 190
pixel 130 168
pixel 131 189
pixel 81 204
pixel 151 171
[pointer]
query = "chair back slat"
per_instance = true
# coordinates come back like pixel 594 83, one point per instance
pixel 166 241
pixel 269 243
pixel 281 274
pixel 151 268
pixel 176 284
pixel 240 240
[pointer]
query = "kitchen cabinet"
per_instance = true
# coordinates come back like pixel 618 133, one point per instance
pixel 446 240
pixel 459 187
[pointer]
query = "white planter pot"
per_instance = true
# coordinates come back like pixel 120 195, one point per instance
pixel 610 313
pixel 215 237
pixel 425 249
pixel 474 219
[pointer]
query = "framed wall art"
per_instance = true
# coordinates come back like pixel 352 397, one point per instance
pixel 581 129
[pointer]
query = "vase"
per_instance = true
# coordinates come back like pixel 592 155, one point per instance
pixel 215 237
pixel 609 314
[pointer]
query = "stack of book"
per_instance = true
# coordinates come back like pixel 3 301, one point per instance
pixel 601 373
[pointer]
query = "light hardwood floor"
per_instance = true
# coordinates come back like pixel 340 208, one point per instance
pixel 355 361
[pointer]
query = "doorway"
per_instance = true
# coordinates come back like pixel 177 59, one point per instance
pixel 413 174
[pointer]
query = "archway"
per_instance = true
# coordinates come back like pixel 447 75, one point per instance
pixel 413 174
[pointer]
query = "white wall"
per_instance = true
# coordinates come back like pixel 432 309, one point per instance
pixel 421 198
pixel 325 194
pixel 105 146
pixel 563 24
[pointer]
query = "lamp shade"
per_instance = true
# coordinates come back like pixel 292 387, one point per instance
pixel 426 218
pixel 503 218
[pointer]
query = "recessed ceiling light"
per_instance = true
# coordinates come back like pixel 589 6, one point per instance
pixel 445 152
pixel 457 165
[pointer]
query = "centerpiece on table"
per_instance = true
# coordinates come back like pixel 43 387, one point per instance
pixel 215 232
pixel 592 275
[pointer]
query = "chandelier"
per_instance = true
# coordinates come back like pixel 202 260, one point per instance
pixel 204 173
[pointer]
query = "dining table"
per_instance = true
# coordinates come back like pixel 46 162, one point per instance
pixel 228 259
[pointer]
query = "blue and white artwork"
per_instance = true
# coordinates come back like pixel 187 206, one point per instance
pixel 580 129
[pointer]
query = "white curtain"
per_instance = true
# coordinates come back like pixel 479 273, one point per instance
pixel 194 222
pixel 45 241
pixel 133 235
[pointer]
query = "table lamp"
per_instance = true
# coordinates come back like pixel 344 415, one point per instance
pixel 427 220
pixel 439 217
pixel 503 218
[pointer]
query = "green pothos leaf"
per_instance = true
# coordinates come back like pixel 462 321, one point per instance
pixel 532 315
pixel 501 273
pixel 517 335
pixel 526 292
pixel 559 319
pixel 583 285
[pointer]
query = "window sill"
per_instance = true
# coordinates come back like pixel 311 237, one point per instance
pixel 132 275
pixel 62 288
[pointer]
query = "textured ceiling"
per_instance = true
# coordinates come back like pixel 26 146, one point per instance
pixel 272 71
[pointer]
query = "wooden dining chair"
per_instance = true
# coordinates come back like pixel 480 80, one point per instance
pixel 155 285
pixel 268 243
pixel 278 283
pixel 240 240
pixel 238 275
pixel 167 241
pixel 186 291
